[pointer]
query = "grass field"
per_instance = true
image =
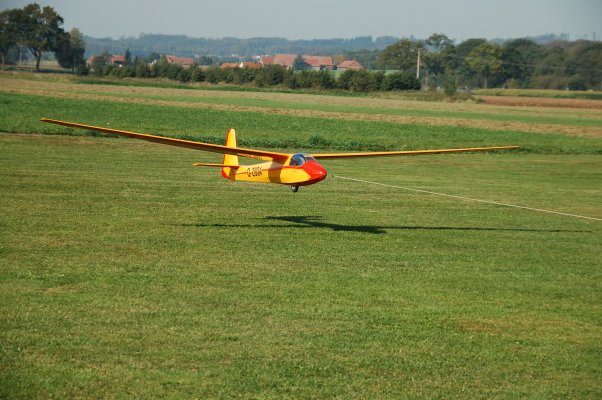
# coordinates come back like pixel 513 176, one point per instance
pixel 125 272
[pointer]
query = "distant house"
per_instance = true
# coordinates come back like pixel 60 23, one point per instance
pixel 349 64
pixel 117 60
pixel 183 61
pixel 111 60
pixel 248 65
pixel 266 60
pixel 317 63
pixel 229 65
pixel 286 60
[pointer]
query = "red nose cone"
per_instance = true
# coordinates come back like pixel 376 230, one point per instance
pixel 315 171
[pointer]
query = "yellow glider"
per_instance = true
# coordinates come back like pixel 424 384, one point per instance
pixel 288 169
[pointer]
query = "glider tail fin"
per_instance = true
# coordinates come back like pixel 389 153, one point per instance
pixel 229 159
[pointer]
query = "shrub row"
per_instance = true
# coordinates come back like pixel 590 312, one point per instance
pixel 268 76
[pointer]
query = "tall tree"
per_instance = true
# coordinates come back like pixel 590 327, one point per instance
pixel 300 64
pixel 461 52
pixel 401 55
pixel 439 57
pixel 551 61
pixel 464 48
pixel 71 49
pixel 8 35
pixel 485 60
pixel 584 62
pixel 39 30
pixel 99 62
pixel 519 58
pixel 127 58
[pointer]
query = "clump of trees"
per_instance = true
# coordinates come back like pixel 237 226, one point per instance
pixel 519 63
pixel 39 30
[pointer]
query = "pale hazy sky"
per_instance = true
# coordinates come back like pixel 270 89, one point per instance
pixel 325 19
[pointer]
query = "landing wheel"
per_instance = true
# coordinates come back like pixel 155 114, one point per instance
pixel 294 188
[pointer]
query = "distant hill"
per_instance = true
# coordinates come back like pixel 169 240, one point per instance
pixel 541 39
pixel 185 46
pixel 364 49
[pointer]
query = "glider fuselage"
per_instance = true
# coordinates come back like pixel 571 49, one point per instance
pixel 299 169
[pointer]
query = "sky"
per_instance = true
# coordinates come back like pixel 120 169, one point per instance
pixel 326 19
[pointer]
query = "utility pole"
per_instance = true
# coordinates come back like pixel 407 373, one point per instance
pixel 418 65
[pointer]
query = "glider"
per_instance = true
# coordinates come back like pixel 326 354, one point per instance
pixel 298 169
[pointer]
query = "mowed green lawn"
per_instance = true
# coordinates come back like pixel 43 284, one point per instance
pixel 125 272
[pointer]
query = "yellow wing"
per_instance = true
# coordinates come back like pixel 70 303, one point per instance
pixel 257 154
pixel 189 144
pixel 327 156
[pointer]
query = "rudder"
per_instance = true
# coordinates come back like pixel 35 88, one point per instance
pixel 229 159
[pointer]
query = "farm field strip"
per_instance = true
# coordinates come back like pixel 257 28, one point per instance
pixel 269 103
pixel 21 113
pixel 388 102
pixel 541 102
pixel 382 100
pixel 541 93
pixel 580 126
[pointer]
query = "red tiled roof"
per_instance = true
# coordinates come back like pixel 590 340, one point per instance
pixel 267 60
pixel 249 65
pixel 317 61
pixel 286 60
pixel 350 64
pixel 229 65
pixel 180 60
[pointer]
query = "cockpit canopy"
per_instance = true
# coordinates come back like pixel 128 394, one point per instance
pixel 300 159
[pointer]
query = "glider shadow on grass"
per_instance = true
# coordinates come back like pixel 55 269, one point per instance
pixel 316 222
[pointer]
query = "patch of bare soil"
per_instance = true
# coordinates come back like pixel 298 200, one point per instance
pixel 520 101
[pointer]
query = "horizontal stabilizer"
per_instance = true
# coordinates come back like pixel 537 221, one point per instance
pixel 215 165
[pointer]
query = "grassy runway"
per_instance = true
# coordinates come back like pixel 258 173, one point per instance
pixel 125 272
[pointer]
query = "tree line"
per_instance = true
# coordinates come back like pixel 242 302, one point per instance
pixel 267 76
pixel 147 43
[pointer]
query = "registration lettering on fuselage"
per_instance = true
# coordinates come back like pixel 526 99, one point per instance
pixel 254 171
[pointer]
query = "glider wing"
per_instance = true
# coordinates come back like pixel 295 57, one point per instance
pixel 189 144
pixel 327 156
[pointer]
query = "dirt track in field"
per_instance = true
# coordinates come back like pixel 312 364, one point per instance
pixel 130 94
pixel 518 101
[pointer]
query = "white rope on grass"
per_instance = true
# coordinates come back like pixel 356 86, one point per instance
pixel 468 198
